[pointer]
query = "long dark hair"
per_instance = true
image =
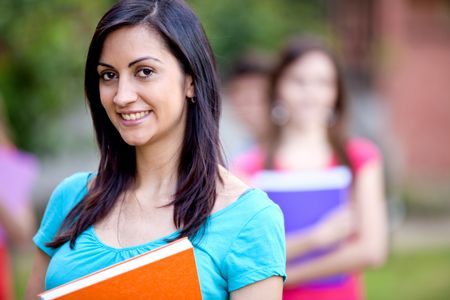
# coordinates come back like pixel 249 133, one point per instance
pixel 337 137
pixel 198 170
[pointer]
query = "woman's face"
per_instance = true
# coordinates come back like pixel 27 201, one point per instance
pixel 307 89
pixel 142 87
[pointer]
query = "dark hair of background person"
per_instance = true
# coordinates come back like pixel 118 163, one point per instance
pixel 337 129
pixel 250 63
pixel 198 170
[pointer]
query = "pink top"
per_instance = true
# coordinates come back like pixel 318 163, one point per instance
pixel 18 172
pixel 360 152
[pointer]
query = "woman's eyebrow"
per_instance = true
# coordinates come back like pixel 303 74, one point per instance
pixel 131 63
pixel 105 65
pixel 141 59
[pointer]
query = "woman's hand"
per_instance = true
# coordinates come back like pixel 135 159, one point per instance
pixel 335 227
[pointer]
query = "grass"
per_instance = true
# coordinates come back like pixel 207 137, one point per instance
pixel 417 275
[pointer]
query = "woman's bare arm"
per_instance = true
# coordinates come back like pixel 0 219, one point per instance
pixel 267 289
pixel 36 281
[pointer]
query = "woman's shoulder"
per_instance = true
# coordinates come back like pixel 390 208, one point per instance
pixel 229 190
pixel 63 198
pixel 74 182
pixel 247 237
pixel 245 240
pixel 70 189
pixel 362 151
pixel 237 200
pixel 233 191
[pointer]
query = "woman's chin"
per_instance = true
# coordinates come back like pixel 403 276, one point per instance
pixel 134 141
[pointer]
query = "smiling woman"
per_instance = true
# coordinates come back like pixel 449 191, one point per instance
pixel 152 90
pixel 144 96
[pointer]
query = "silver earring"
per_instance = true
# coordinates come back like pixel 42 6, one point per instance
pixel 279 114
pixel 192 99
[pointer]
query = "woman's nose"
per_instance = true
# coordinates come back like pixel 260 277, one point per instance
pixel 126 92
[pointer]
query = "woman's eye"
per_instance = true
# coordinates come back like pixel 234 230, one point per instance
pixel 107 76
pixel 144 73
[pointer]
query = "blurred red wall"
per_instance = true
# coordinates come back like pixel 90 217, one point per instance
pixel 414 78
pixel 402 48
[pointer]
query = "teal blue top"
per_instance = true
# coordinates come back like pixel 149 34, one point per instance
pixel 242 243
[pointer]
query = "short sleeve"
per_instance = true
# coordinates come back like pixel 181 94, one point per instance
pixel 361 152
pixel 259 251
pixel 64 197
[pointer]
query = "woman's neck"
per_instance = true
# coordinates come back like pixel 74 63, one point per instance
pixel 157 169
pixel 305 136
pixel 304 149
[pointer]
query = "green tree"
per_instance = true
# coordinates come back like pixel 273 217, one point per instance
pixel 42 52
pixel 234 26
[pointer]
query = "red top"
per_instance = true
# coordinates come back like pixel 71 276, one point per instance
pixel 360 153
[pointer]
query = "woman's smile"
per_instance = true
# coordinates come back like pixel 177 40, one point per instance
pixel 134 118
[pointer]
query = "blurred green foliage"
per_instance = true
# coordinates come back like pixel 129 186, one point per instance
pixel 42 52
pixel 234 26
pixel 43 46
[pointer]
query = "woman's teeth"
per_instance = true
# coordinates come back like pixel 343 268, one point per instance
pixel 135 116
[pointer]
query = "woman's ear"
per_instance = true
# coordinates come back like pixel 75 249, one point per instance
pixel 189 87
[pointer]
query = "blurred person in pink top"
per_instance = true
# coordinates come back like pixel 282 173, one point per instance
pixel 17 223
pixel 308 101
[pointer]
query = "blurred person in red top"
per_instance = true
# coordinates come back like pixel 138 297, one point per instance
pixel 17 173
pixel 308 101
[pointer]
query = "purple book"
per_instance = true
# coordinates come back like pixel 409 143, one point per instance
pixel 305 198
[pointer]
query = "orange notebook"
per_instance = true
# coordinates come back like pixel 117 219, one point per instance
pixel 168 272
